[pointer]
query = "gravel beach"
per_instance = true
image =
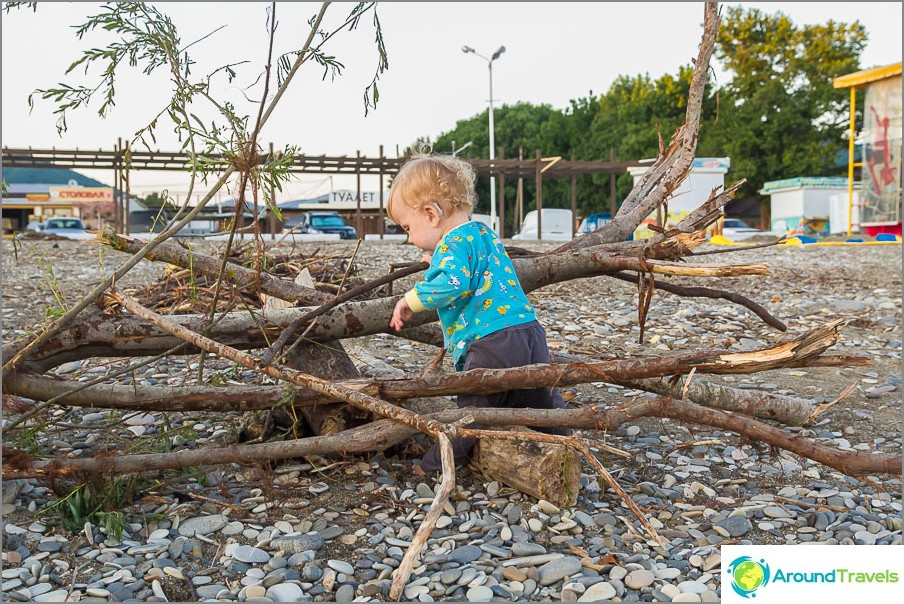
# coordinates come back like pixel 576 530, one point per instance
pixel 335 529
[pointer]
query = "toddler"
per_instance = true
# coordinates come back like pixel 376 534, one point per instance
pixel 486 318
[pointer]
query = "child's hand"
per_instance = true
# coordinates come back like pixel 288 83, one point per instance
pixel 400 314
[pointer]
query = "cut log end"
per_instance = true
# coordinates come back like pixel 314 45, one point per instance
pixel 542 470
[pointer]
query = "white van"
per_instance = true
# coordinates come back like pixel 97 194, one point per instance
pixel 557 225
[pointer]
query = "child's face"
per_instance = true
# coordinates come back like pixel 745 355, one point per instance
pixel 423 225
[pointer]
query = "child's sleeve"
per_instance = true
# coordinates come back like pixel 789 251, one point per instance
pixel 447 279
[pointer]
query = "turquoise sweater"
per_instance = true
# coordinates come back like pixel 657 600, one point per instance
pixel 473 287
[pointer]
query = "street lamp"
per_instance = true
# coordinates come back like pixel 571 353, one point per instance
pixel 496 55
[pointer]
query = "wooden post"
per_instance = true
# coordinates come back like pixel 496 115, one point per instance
pixel 117 189
pixel 519 195
pixel 358 222
pixel 613 204
pixel 382 220
pixel 574 200
pixel 127 220
pixel 271 215
pixel 539 197
pixel 501 197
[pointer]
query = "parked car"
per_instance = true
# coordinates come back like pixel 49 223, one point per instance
pixel 556 225
pixel 737 230
pixel 68 227
pixel 35 226
pixel 320 221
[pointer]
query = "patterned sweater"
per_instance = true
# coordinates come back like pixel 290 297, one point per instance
pixel 473 287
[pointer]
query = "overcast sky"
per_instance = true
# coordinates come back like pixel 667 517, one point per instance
pixel 555 52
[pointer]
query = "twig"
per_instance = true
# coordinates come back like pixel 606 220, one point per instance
pixel 401 574
pixel 621 493
pixel 706 292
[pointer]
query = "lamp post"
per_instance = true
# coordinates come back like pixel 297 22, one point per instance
pixel 496 55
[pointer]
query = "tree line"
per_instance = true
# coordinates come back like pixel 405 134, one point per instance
pixel 777 115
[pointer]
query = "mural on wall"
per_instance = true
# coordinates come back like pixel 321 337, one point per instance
pixel 881 174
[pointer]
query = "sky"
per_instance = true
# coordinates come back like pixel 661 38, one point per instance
pixel 554 52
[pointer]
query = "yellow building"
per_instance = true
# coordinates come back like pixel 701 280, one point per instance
pixel 880 194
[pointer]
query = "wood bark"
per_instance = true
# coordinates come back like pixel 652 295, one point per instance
pixel 789 410
pixel 804 350
pixel 549 471
pixel 327 360
pixel 381 434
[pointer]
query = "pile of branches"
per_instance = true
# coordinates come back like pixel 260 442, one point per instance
pixel 183 290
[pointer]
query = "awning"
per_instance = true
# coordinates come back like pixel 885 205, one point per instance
pixel 853 80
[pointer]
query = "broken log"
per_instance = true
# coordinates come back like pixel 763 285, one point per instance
pixel 802 351
pixel 381 434
pixel 549 471
pixel 789 410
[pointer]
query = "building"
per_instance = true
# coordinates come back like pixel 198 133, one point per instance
pixel 35 194
pixel 362 212
pixel 706 173
pixel 879 202
pixel 812 206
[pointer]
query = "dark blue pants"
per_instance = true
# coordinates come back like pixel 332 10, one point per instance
pixel 516 346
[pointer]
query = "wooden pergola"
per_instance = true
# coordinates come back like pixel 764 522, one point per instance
pixel 122 160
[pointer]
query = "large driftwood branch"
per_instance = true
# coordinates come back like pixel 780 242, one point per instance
pixel 789 410
pixel 803 350
pixel 673 165
pixel 382 434
pixel 118 336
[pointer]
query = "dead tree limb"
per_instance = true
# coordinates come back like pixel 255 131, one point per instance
pixel 707 292
pixel 673 165
pixel 789 410
pixel 262 282
pixel 382 434
pixel 803 350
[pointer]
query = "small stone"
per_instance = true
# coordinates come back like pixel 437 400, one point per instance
pixel 598 591
pixel 479 594
pixel 639 578
pixel 345 593
pixel 250 555
pixel 556 570
pixel 285 592
pixel 341 566
pixel 297 543
pixel 202 525
pixel 466 554
pixel 736 526
pixel 513 573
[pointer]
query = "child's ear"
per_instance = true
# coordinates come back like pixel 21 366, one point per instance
pixel 432 214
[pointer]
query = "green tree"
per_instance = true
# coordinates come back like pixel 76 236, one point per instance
pixel 779 115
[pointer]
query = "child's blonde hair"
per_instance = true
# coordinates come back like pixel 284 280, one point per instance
pixel 442 180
